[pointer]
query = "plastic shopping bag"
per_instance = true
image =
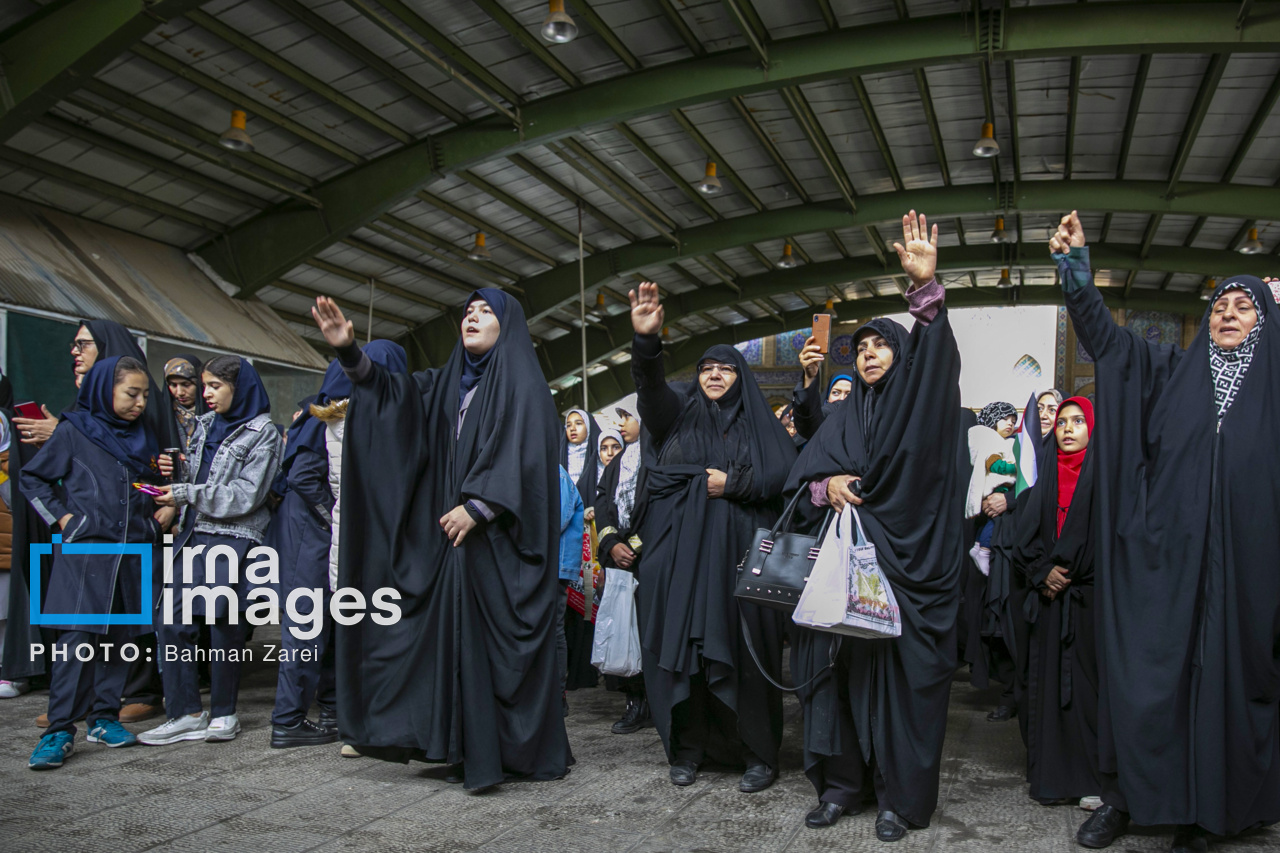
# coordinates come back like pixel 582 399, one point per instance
pixel 615 649
pixel 848 592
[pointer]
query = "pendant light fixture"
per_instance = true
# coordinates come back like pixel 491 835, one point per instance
pixel 831 305
pixel 598 311
pixel 1005 282
pixel 710 184
pixel 999 235
pixel 986 146
pixel 558 27
pixel 1209 287
pixel 479 252
pixel 1252 246
pixel 788 260
pixel 235 137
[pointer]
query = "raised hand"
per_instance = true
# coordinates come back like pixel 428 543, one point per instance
pixel 919 255
pixel 335 327
pixel 1070 233
pixel 646 309
pixel 811 359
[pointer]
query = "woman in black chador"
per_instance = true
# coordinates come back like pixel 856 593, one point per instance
pixel 1186 549
pixel 721 458
pixel 877 717
pixel 1054 553
pixel 467 676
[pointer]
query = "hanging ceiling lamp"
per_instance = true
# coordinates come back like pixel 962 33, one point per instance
pixel 1005 282
pixel 666 333
pixel 1209 287
pixel 788 260
pixel 558 27
pixel 479 252
pixel 986 146
pixel 1252 246
pixel 710 184
pixel 598 311
pixel 236 137
pixel 999 235
pixel 831 305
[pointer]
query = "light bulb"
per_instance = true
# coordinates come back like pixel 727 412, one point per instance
pixel 558 27
pixel 710 184
pixel 999 235
pixel 788 260
pixel 986 146
pixel 235 137
pixel 479 252
pixel 1252 246
pixel 1005 282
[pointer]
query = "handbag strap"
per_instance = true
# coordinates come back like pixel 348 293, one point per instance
pixel 862 534
pixel 751 648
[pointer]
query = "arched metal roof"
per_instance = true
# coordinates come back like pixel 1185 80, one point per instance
pixel 388 132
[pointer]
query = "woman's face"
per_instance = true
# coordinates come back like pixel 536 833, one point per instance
pixel 129 397
pixel 630 429
pixel 1072 431
pixel 575 428
pixel 183 391
pixel 218 394
pixel 1047 407
pixel 479 328
pixel 841 390
pixel 716 379
pixel 1006 425
pixel 609 448
pixel 1233 317
pixel 84 352
pixel 875 357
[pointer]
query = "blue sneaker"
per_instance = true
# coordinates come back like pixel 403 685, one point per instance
pixel 51 751
pixel 110 733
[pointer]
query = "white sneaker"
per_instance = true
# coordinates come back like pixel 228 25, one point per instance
pixel 13 689
pixel 185 727
pixel 349 751
pixel 223 728
pixel 1091 804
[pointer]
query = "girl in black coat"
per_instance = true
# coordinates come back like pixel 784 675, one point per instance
pixel 82 480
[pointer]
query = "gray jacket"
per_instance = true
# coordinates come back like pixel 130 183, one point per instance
pixel 233 500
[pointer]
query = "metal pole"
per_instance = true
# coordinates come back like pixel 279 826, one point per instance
pixel 582 310
pixel 369 337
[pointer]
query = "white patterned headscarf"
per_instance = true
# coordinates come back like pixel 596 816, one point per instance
pixel 578 452
pixel 624 496
pixel 1230 366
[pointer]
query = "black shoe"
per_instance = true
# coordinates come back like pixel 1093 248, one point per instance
pixel 1189 839
pixel 328 718
pixel 826 814
pixel 634 719
pixel 454 774
pixel 1103 827
pixel 1003 714
pixel 890 826
pixel 304 733
pixel 757 778
pixel 684 773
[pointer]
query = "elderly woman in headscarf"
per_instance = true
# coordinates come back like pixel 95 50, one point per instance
pixel 720 459
pixel 467 675
pixel 1186 561
pixel 875 711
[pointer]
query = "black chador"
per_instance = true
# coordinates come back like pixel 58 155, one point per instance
pixel 468 673
pixel 881 711
pixel 708 700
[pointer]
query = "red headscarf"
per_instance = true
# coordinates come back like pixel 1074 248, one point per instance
pixel 1069 464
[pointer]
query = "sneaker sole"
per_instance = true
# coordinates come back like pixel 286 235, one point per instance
pixel 108 744
pixel 221 737
pixel 51 765
pixel 290 744
pixel 195 735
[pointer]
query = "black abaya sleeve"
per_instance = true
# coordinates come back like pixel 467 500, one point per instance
pixel 607 513
pixel 807 410
pixel 659 405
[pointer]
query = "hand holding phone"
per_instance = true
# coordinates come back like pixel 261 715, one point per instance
pixel 29 410
pixel 148 489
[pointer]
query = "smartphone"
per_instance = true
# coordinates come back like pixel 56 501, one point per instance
pixel 148 489
pixel 822 331
pixel 29 410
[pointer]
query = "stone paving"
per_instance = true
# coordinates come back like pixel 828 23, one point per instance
pixel 245 797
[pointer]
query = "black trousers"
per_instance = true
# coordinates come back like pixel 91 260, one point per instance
pixel 847 779
pixel 181 680
pixel 306 672
pixel 701 718
pixel 86 689
pixel 144 685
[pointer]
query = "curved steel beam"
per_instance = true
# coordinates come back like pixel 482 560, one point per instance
pixel 563 356
pixel 261 249
pixel 547 291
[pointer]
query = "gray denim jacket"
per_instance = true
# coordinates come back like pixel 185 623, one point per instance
pixel 233 501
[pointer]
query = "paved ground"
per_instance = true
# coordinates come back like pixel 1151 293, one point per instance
pixel 243 796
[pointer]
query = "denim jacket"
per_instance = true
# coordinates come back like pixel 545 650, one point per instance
pixel 233 500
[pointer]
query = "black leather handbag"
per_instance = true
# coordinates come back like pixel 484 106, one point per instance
pixel 776 567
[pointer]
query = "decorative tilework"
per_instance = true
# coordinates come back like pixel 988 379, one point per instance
pixel 1156 327
pixel 752 351
pixel 1060 350
pixel 842 351
pixel 789 345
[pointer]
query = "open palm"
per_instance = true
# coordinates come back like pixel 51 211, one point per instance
pixel 918 251
pixel 646 309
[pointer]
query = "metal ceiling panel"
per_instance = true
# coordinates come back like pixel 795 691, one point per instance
pixel 1171 90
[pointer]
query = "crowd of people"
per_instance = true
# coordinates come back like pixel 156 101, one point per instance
pixel 1110 562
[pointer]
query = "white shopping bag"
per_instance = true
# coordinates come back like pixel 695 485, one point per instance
pixel 616 647
pixel 847 592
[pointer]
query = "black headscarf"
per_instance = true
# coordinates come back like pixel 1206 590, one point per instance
pixel 114 340
pixel 1189 674
pixel 95 417
pixel 993 413
pixel 247 402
